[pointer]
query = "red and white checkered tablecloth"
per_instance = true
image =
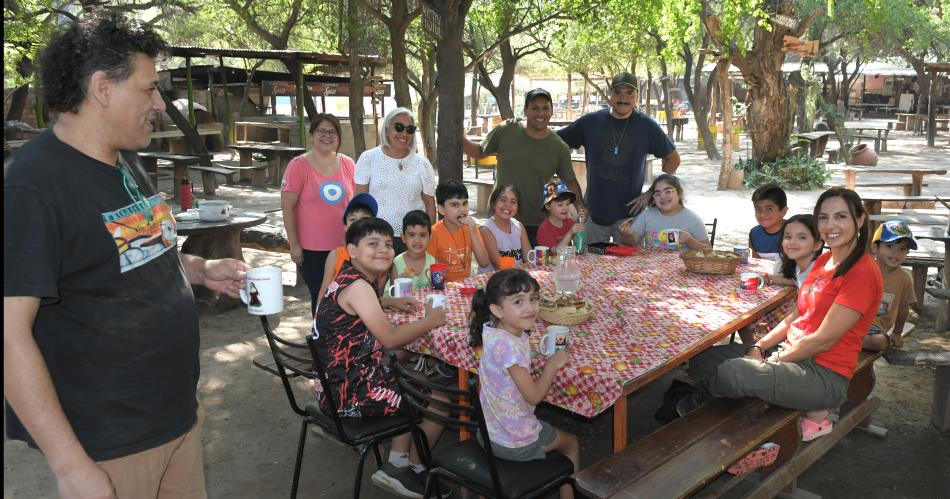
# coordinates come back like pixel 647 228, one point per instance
pixel 647 310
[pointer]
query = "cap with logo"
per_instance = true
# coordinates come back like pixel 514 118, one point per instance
pixel 528 97
pixel 361 199
pixel 893 230
pixel 624 78
pixel 554 190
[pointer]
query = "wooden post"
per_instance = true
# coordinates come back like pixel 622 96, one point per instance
pixel 301 114
pixel 932 109
pixel 191 93
pixel 228 124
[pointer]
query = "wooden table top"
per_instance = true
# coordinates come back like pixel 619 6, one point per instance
pixel 265 147
pixel 170 157
pixel 168 134
pixel 238 220
pixel 813 135
pixel 930 170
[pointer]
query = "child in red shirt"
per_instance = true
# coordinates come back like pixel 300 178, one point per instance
pixel 558 228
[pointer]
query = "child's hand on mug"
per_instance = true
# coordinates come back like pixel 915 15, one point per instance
pixel 435 314
pixel 560 359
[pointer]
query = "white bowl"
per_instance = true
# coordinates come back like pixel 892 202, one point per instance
pixel 214 211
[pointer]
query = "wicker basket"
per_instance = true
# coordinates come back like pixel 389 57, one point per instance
pixel 568 316
pixel 711 262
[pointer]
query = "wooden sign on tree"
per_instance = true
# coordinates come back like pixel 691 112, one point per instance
pixel 804 48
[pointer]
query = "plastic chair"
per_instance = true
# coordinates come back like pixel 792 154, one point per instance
pixel 358 433
pixel 467 463
pixel 490 162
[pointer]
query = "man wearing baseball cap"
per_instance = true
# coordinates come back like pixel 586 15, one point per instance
pixel 528 155
pixel 616 142
pixel 892 241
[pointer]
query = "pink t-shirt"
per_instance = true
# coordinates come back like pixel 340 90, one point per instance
pixel 509 417
pixel 322 200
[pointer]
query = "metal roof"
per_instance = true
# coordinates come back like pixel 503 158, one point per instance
pixel 297 55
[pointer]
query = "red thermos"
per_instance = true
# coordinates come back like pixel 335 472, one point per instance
pixel 184 194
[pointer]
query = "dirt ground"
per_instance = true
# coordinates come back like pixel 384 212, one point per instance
pixel 251 433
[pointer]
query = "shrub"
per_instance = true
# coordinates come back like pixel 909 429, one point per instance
pixel 791 172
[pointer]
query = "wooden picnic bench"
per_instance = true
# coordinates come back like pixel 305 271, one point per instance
pixel 180 163
pixel 255 171
pixel 483 188
pixel 209 182
pixel 688 454
pixel 940 405
pixel 916 172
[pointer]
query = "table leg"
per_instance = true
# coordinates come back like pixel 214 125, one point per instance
pixel 464 434
pixel 849 178
pixel 620 424
pixel 918 184
pixel 224 244
pixel 245 160
pixel 181 173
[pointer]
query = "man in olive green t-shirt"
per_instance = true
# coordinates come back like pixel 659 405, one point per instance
pixel 528 156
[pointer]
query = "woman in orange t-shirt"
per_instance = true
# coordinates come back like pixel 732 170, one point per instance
pixel 807 360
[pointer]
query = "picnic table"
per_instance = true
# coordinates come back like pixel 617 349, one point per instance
pixel 179 161
pixel 277 155
pixel 880 142
pixel 916 172
pixel 650 316
pixel 222 239
pixel 816 141
pixel 908 122
pixel 285 129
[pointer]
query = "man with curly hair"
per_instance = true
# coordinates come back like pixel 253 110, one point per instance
pixel 100 328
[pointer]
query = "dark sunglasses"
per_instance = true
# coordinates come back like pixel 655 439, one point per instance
pixel 399 127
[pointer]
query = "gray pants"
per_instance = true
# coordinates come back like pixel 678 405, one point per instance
pixel 802 385
pixel 601 233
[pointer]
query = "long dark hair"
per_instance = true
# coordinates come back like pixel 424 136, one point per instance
pixel 502 284
pixel 808 220
pixel 856 208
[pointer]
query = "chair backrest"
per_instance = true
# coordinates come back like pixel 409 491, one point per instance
pixel 453 407
pixel 317 349
pixel 287 360
pixel 712 232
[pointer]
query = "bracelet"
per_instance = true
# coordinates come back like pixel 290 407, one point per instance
pixel 761 350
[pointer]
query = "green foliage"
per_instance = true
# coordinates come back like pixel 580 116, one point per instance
pixel 795 171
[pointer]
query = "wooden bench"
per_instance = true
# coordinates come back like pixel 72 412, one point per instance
pixel 907 187
pixel 919 264
pixel 209 182
pixel 689 453
pixel 483 188
pixel 880 143
pixel 940 406
pixel 832 154
pixel 257 172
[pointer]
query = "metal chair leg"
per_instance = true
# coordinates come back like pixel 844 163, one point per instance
pixel 359 471
pixel 300 443
pixel 379 457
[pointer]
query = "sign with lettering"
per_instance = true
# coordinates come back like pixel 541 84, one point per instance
pixel 287 88
pixel 804 48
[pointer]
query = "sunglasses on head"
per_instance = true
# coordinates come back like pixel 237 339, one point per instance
pixel 399 127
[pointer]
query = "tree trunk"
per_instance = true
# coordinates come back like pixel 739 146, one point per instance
pixel 698 96
pixel 569 113
pixel 473 118
pixel 501 92
pixel 725 96
pixel 397 40
pixel 451 88
pixel 585 98
pixel 428 98
pixel 667 101
pixel 356 78
pixel 649 106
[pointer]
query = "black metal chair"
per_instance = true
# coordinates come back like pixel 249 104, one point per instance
pixel 359 433
pixel 467 463
pixel 711 229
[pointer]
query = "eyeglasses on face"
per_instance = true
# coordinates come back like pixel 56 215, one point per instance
pixel 664 192
pixel 325 133
pixel 399 127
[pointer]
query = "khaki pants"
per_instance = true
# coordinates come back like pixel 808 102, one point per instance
pixel 803 385
pixel 172 470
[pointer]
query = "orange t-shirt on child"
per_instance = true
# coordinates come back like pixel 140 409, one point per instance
pixel 454 249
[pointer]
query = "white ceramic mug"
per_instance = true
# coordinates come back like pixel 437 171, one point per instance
pixel 438 301
pixel 263 291
pixel 750 282
pixel 400 287
pixel 214 210
pixel 554 339
pixel 538 255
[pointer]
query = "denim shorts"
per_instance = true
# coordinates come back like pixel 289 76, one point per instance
pixel 530 452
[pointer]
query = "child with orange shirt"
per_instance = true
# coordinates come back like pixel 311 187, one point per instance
pixel 455 238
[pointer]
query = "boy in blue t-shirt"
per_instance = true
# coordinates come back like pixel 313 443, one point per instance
pixel 765 239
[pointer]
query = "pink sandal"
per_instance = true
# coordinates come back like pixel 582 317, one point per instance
pixel 812 430
pixel 759 458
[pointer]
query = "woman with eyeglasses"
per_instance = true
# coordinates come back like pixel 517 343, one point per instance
pixel 667 223
pixel 315 189
pixel 399 179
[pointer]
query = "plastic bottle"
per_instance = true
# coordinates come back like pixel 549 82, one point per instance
pixel 184 194
pixel 579 239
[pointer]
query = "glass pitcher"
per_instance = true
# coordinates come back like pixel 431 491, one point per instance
pixel 567 275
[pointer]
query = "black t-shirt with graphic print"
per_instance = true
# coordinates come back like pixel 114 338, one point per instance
pixel 117 325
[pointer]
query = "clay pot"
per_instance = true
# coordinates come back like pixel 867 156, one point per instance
pixel 863 155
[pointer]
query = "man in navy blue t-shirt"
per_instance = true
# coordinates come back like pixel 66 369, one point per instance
pixel 616 142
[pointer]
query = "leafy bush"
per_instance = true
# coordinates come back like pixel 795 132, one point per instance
pixel 792 172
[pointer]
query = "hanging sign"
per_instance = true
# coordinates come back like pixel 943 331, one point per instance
pixel 804 48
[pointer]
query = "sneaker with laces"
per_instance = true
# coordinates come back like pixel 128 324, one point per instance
pixel 445 369
pixel 400 481
pixel 812 430
pixel 444 488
